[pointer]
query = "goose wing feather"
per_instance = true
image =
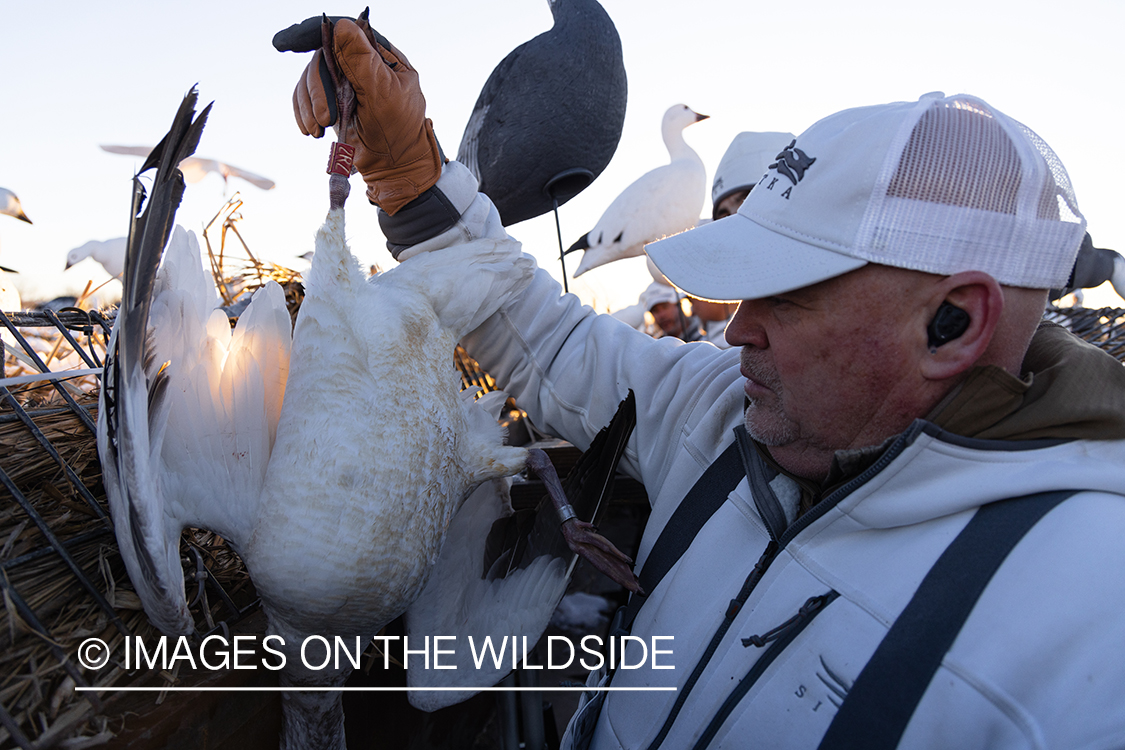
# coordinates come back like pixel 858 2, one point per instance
pixel 226 390
pixel 460 600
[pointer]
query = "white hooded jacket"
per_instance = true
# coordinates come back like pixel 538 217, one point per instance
pixel 1039 663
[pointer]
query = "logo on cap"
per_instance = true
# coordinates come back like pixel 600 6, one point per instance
pixel 792 162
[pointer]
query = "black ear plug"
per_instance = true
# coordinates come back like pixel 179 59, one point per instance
pixel 949 322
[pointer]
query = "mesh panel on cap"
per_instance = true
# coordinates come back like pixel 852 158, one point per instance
pixel 975 190
pixel 960 158
pixel 1061 204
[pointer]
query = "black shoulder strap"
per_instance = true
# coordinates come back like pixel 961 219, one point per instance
pixel 879 705
pixel 700 503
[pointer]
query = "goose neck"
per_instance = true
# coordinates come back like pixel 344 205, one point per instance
pixel 677 146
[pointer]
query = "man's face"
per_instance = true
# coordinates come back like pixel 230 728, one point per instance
pixel 730 204
pixel 666 315
pixel 832 365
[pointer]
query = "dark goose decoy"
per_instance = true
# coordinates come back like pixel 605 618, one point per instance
pixel 549 118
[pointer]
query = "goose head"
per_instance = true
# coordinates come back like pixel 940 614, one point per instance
pixel 678 117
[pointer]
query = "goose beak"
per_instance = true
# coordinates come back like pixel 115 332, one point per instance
pixel 700 118
pixel 582 243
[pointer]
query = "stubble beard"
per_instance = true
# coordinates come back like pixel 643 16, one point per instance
pixel 769 427
pixel 765 417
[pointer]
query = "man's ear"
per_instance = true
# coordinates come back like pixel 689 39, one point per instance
pixel 953 345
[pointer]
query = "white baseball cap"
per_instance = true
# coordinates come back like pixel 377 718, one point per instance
pixel 943 185
pixel 656 293
pixel 746 159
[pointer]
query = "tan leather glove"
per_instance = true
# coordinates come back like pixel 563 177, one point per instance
pixel 396 150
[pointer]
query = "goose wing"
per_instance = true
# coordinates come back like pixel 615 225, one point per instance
pixel 197 167
pixel 256 180
pixel 501 573
pixel 187 408
pixel 467 152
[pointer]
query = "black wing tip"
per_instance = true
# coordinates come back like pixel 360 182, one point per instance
pixel 149 230
pixel 182 138
pixel 588 482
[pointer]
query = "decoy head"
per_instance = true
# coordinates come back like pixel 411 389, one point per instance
pixel 10 205
pixel 1117 278
pixel 79 254
pixel 679 116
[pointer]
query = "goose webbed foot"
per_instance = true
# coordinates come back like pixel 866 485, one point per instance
pixel 581 536
pixel 600 552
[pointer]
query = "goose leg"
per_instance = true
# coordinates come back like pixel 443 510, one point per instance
pixel 312 713
pixel 312 720
pixel 580 536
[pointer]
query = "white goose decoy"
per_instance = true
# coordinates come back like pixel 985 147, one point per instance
pixel 332 458
pixel 661 202
pixel 110 254
pixel 10 300
pixel 10 205
pixel 9 296
pixel 195 168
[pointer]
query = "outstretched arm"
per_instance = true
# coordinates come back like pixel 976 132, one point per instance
pixel 563 363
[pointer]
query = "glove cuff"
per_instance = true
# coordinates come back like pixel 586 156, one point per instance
pixel 428 215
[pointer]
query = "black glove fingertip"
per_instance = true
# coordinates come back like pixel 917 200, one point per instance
pixel 303 36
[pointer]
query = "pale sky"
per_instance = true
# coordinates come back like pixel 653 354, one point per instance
pixel 86 74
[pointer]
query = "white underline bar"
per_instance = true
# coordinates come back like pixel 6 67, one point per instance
pixel 370 689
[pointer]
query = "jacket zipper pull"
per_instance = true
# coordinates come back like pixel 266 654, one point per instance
pixel 813 605
pixel 752 580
